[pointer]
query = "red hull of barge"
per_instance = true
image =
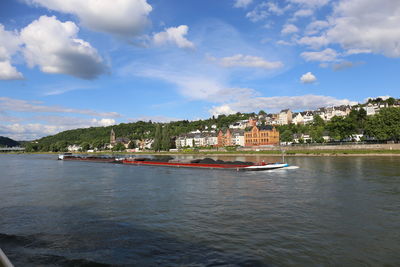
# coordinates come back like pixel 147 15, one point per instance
pixel 187 165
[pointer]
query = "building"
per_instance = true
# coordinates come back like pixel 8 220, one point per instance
pixel 285 117
pixel 224 139
pixel 238 138
pixel 259 136
pixel 116 140
pixel 298 118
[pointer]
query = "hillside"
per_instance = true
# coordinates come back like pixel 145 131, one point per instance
pixel 5 141
pixel 98 136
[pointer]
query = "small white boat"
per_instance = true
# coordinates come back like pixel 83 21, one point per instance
pixel 264 167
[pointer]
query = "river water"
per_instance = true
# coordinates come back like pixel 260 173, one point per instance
pixel 336 211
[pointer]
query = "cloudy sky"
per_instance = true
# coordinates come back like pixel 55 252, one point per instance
pixel 70 63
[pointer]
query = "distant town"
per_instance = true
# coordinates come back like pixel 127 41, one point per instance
pixel 368 122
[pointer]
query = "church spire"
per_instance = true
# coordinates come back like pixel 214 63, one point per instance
pixel 112 137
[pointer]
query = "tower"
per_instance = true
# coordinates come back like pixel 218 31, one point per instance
pixel 112 137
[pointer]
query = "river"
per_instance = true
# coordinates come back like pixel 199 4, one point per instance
pixel 336 211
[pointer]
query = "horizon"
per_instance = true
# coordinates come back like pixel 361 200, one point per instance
pixel 63 68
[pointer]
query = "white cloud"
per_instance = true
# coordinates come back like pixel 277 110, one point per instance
pixel 259 13
pixel 124 18
pixel 103 122
pixel 8 72
pixel 277 103
pixel 362 26
pixel 327 55
pixel 316 26
pixel 18 105
pixel 310 3
pixel 242 3
pixel 54 47
pixel 314 41
pixel 9 45
pixel 283 42
pixel 303 13
pixel 308 78
pixel 289 28
pixel 263 10
pixel 174 35
pixel 246 61
pixel 219 110
pixel 52 125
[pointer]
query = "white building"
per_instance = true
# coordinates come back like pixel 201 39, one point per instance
pixel 285 117
pixel 74 148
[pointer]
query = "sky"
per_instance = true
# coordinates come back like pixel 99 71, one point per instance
pixel 67 64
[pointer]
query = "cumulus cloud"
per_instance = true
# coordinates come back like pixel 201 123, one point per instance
pixel 242 3
pixel 175 36
pixel 277 103
pixel 289 28
pixel 220 110
pixel 303 13
pixel 316 26
pixel 54 47
pixel 264 9
pixel 8 72
pixel 308 78
pixel 366 26
pixel 124 18
pixel 18 105
pixel 9 45
pixel 247 61
pixel 327 55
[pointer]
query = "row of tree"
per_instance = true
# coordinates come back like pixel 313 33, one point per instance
pixel 384 126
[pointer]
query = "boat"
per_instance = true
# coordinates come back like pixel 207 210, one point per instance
pixel 70 156
pixel 207 163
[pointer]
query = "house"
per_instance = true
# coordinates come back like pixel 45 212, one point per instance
pixel 285 117
pixel 242 124
pixel 261 135
pixel 224 138
pixel 308 117
pixel 298 118
pixel 74 148
pixel 238 137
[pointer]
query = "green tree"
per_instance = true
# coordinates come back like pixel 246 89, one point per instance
pixel 157 138
pixel 132 144
pixel 318 121
pixel 385 125
pixel 341 128
pixel 85 146
pixel 316 134
pixel 119 147
pixel 166 138
pixel 286 136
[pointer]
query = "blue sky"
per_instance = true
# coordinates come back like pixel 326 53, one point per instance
pixel 71 64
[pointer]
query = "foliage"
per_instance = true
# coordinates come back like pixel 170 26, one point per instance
pixel 385 125
pixel 5 141
pixel 119 147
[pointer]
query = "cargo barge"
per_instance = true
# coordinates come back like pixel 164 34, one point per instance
pixel 206 163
